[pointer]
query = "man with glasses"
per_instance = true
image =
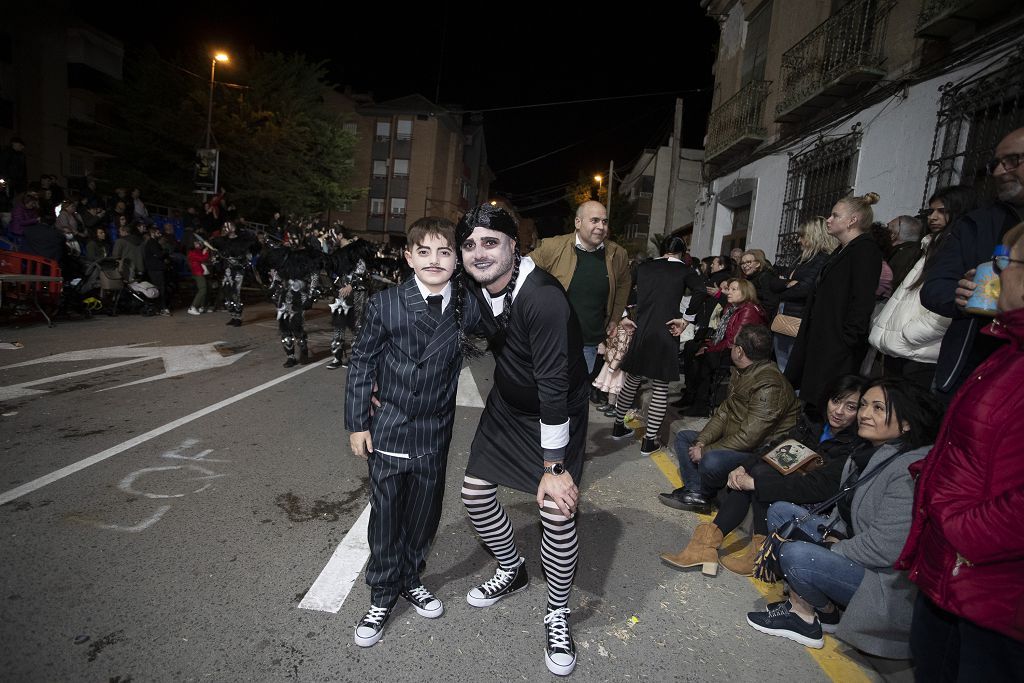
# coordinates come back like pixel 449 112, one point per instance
pixel 971 241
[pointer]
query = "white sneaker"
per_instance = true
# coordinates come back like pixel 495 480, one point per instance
pixel 192 310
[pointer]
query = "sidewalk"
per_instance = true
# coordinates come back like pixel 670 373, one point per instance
pixel 838 661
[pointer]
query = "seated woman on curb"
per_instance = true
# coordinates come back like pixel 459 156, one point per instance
pixel 741 308
pixel 897 419
pixel 755 483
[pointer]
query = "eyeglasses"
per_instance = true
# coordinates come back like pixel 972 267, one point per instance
pixel 1001 263
pixel 1009 162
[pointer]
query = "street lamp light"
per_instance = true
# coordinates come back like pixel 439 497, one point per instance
pixel 219 57
pixel 598 178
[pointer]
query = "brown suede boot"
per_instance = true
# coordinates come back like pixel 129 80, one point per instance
pixel 742 563
pixel 702 549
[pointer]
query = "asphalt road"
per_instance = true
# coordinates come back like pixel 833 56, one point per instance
pixel 166 528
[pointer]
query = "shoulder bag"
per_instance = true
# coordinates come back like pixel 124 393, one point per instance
pixel 766 562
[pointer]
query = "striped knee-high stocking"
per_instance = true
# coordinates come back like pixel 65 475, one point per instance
pixel 559 553
pixel 490 521
pixel 656 408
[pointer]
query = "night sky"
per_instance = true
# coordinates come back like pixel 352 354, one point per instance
pixel 489 55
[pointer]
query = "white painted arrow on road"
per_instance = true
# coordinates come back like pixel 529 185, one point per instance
pixel 178 360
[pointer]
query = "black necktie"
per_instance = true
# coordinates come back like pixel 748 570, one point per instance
pixel 434 304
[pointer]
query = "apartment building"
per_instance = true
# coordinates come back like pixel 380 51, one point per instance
pixel 647 184
pixel 415 159
pixel 815 99
pixel 52 76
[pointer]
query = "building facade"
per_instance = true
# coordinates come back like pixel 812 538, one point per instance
pixel 52 78
pixel 647 184
pixel 815 100
pixel 414 159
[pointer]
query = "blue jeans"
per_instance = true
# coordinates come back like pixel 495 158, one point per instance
pixel 713 471
pixel 783 348
pixel 590 355
pixel 814 572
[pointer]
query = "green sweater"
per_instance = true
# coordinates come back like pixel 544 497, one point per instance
pixel 588 294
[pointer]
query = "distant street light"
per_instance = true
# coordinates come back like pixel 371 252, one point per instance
pixel 598 178
pixel 219 57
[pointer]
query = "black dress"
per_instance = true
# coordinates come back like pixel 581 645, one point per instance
pixel 540 375
pixel 654 352
pixel 833 336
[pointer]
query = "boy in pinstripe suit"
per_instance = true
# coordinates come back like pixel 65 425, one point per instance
pixel 410 347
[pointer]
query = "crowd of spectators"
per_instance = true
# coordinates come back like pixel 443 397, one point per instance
pixel 110 246
pixel 869 353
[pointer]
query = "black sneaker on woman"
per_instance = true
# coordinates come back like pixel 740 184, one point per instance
pixel 781 622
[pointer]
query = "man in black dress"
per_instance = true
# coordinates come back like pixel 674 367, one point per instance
pixel 533 430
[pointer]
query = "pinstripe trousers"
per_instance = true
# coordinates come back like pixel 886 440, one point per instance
pixel 405 508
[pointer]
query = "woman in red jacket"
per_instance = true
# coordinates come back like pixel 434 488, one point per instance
pixel 741 308
pixel 965 550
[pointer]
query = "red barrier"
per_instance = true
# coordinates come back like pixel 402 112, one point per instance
pixel 17 263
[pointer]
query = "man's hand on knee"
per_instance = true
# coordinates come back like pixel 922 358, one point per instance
pixel 561 490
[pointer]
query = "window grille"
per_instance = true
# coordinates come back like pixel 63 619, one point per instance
pixel 817 179
pixel 974 115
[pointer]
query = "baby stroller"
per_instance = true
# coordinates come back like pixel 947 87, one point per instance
pixel 142 297
pixel 111 284
pixel 81 282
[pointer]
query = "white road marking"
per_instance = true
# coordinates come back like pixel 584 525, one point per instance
pixel 14 391
pixel 328 592
pixel 468 394
pixel 57 475
pixel 178 360
pixel 141 526
pixel 127 484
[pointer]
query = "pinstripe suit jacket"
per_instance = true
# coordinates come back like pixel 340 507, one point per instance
pixel 415 360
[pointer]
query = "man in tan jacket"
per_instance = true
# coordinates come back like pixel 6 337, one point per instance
pixel 761 406
pixel 594 272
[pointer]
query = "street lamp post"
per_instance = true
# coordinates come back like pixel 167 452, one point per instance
pixel 599 179
pixel 219 57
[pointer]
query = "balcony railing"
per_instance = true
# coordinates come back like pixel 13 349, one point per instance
pixel 843 52
pixel 738 124
pixel 944 18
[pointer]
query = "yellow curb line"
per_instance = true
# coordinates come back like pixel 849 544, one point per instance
pixel 832 661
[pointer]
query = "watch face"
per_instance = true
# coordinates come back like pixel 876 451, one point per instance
pixel 557 468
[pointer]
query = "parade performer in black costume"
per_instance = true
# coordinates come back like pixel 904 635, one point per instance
pixel 532 433
pixel 350 266
pixel 235 250
pixel 294 287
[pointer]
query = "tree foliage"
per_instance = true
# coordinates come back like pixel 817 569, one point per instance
pixel 281 147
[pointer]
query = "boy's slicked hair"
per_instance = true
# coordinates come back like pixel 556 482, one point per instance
pixel 430 225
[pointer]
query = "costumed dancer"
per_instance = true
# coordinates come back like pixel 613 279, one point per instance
pixel 532 433
pixel 349 265
pixel 235 250
pixel 294 287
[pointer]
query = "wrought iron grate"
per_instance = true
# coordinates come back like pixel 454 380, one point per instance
pixel 741 115
pixel 851 39
pixel 817 179
pixel 973 116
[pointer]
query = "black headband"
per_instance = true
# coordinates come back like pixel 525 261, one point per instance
pixel 486 216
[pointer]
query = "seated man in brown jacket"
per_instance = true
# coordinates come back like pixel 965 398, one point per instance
pixel 761 406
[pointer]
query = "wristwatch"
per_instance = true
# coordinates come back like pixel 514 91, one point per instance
pixel 555 469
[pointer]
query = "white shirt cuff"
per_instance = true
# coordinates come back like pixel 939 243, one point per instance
pixel 554 436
